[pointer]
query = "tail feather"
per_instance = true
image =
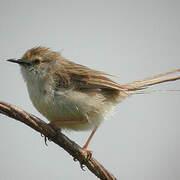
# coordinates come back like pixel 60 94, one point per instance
pixel 141 84
pixel 159 75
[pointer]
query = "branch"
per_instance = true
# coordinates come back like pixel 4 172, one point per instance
pixel 58 138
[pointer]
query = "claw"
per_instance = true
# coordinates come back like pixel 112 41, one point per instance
pixel 45 140
pixel 82 166
pixel 88 157
pixel 74 159
pixel 80 163
pixel 89 154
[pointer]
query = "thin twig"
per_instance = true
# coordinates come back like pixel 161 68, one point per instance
pixel 58 138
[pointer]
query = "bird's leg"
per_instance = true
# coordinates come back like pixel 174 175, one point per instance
pixel 59 123
pixel 89 152
pixel 54 125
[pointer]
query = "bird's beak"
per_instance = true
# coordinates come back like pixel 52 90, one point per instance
pixel 19 61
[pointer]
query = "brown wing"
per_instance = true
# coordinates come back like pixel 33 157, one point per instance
pixel 82 77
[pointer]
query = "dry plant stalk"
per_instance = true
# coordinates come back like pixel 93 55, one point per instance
pixel 58 138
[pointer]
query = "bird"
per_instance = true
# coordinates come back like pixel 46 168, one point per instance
pixel 72 96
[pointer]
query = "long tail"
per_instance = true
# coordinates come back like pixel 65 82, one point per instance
pixel 138 86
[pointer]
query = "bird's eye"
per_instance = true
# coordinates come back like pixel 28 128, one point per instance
pixel 36 61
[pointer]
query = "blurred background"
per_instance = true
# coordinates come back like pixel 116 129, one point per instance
pixel 131 39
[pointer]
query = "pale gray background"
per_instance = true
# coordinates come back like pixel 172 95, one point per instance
pixel 131 39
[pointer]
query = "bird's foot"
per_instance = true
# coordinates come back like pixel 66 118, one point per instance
pixel 88 153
